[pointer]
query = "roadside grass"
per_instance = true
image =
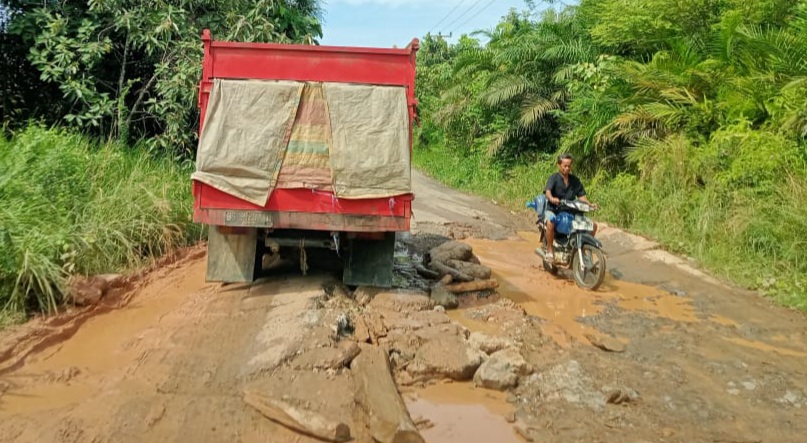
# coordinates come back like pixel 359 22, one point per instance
pixel 8 318
pixel 69 205
pixel 751 237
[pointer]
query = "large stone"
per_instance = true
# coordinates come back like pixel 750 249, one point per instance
pixel 605 342
pixel 480 272
pixel 87 291
pixel 297 418
pixel 433 318
pixel 448 357
pixel 363 295
pixel 328 358
pixel 368 326
pixel 403 342
pixel 413 321
pixel 113 280
pixel 443 297
pixel 568 381
pixel 452 250
pixel 400 320
pixel 513 357
pixel 501 370
pixel 361 332
pixel 401 302
pixel 496 374
pixel 440 332
pixel 488 343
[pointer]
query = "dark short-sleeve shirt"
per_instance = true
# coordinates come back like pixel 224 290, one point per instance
pixel 560 190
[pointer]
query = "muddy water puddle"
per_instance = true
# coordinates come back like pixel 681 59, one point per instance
pixel 75 369
pixel 479 325
pixel 461 413
pixel 559 301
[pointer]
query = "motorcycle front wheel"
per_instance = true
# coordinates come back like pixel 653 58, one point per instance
pixel 592 272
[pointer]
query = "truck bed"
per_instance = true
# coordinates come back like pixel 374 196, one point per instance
pixel 305 208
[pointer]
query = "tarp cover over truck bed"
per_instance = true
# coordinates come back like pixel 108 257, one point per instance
pixel 350 139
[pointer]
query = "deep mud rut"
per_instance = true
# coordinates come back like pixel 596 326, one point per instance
pixel 686 358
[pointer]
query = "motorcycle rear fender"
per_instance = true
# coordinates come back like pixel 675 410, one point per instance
pixel 588 239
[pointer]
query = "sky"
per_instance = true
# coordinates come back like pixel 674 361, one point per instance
pixel 3 17
pixel 388 23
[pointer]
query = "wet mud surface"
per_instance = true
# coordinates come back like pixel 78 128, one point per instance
pixel 661 353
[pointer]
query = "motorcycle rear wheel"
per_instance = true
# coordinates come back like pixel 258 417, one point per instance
pixel 594 273
pixel 552 269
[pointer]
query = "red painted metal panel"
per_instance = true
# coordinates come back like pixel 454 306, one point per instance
pixel 269 61
pixel 314 221
pixel 306 65
pixel 305 200
pixel 235 60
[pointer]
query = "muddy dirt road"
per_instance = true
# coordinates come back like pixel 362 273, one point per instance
pixel 662 353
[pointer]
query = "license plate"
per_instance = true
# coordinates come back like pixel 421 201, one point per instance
pixel 247 218
pixel 582 224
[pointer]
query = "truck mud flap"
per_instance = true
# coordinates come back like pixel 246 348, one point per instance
pixel 369 262
pixel 231 254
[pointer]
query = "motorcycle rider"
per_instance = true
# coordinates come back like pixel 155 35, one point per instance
pixel 561 185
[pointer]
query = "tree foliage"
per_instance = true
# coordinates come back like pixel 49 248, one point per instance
pixel 128 69
pixel 691 118
pixel 599 78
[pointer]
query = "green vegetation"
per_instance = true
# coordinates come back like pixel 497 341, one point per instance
pixel 129 69
pixel 108 187
pixel 688 125
pixel 69 206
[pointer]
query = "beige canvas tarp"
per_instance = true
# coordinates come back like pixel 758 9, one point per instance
pixel 370 136
pixel 245 135
pixel 258 135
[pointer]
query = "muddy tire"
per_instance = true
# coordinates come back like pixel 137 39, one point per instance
pixel 593 273
pixel 552 269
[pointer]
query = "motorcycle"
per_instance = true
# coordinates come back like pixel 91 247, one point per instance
pixel 575 246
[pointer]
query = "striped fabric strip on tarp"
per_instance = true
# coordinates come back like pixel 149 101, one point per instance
pixel 307 162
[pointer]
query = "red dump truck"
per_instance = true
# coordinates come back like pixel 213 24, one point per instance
pixel 304 147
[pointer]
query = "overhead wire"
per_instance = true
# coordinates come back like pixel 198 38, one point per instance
pixel 463 14
pixel 447 15
pixel 475 15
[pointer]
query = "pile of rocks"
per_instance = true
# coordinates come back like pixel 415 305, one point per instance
pixel 456 270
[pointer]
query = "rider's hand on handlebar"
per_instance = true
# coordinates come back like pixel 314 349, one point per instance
pixel 555 201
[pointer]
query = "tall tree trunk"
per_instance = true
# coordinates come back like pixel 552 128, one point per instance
pixel 122 128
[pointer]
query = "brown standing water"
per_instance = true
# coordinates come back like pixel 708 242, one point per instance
pixel 105 344
pixel 560 301
pixel 462 413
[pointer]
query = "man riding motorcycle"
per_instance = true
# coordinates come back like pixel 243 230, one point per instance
pixel 561 185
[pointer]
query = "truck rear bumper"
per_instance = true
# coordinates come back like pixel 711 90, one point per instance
pixel 303 209
pixel 301 220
